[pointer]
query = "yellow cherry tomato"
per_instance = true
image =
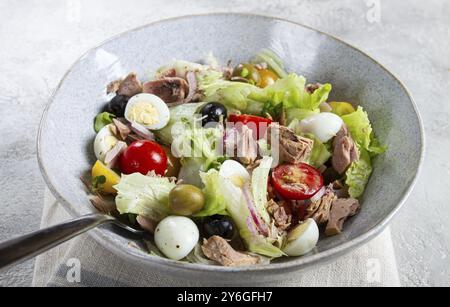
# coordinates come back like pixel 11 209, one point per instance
pixel 267 77
pixel 342 108
pixel 104 178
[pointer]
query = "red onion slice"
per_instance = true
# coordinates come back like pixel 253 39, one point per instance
pixel 142 132
pixel 260 225
pixel 147 224
pixel 251 226
pixel 319 195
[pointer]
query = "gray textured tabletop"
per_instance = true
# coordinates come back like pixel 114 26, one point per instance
pixel 39 40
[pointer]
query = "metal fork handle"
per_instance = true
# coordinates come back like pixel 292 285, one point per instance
pixel 29 246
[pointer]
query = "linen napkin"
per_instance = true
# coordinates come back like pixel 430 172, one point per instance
pixel 372 265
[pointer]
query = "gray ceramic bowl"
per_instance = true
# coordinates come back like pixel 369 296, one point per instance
pixel 66 133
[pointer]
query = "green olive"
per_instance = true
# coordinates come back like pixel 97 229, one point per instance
pixel 249 72
pixel 186 200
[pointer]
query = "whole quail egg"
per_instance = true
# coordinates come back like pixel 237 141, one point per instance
pixel 176 237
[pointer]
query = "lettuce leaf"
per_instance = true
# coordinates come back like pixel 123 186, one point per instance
pixel 177 115
pixel 375 146
pixel 198 148
pixel 361 130
pixel 368 146
pixel 291 91
pixel 273 61
pixel 102 120
pixel 313 101
pixel 288 92
pixel 260 177
pixel 190 171
pixel 144 195
pixel 233 95
pixel 215 203
pixel 358 174
pixel 240 213
pixel 320 153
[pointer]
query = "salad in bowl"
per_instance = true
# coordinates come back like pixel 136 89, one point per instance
pixel 231 165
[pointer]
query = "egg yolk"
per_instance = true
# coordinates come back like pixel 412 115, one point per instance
pixel 143 113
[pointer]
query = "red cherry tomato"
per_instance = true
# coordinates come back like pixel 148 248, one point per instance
pixel 258 130
pixel 144 157
pixel 297 181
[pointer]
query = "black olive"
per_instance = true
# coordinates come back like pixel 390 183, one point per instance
pixel 117 105
pixel 218 225
pixel 213 112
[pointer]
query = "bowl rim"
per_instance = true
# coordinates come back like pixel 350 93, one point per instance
pixel 298 263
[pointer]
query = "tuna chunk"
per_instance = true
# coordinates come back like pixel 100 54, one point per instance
pixel 281 218
pixel 345 151
pixel 219 250
pixel 130 86
pixel 293 148
pixel 319 210
pixel 341 210
pixel 172 90
pixel 113 87
pixel 120 129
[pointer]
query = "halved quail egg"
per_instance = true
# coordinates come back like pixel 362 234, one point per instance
pixel 148 110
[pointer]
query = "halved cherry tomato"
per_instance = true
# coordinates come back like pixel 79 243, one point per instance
pixel 257 124
pixel 144 157
pixel 297 181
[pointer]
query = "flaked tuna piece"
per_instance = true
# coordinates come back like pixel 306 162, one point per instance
pixel 319 210
pixel 293 148
pixel 220 251
pixel 130 86
pixel 170 73
pixel 172 90
pixel 340 189
pixel 113 87
pixel 341 210
pixel 281 218
pixel 120 129
pixel 344 152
